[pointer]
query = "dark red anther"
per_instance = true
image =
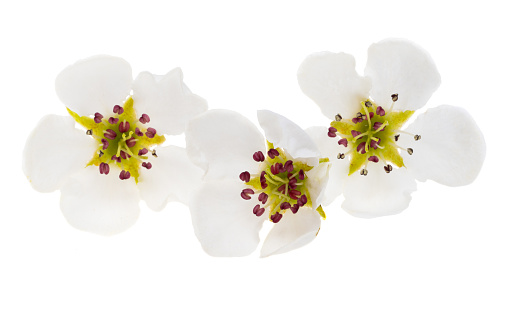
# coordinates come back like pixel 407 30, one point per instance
pixel 380 111
pixel 117 109
pixel 343 142
pixel 282 189
pixel 361 148
pixel 104 168
pixel 301 174
pixel 373 158
pixel 285 205
pixel 142 151
pixel 124 175
pixel 276 217
pixel 332 132
pixel 258 211
pixel 105 144
pixel 294 194
pixel 116 158
pixel 371 115
pixel 124 126
pixel 377 125
pixel 292 183
pixel 263 197
pixel 302 200
pixel 124 155
pixel 288 166
pixel 258 156
pixel 138 132
pixel 356 120
pixel 264 185
pixel 98 118
pixel 147 165
pixel 110 134
pixel 246 192
pixel 131 142
pixel 150 132
pixel 113 120
pixel 355 133
pixel 374 144
pixel 245 176
pixel 295 208
pixel 272 153
pixel 144 118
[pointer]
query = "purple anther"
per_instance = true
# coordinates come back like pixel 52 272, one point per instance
pixel 295 208
pixel 343 142
pixel 282 189
pixel 105 144
pixel 113 120
pixel 276 217
pixel 256 208
pixel 144 118
pixel 377 125
pixel 245 176
pixel 356 120
pixel 124 126
pixel 98 118
pixel 274 169
pixel 361 148
pixel 150 132
pixel 288 166
pixel 294 194
pixel 142 151
pixel 292 183
pixel 117 109
pixel 110 134
pixel 373 159
pixel 264 185
pixel 258 211
pixel 332 132
pixel 138 132
pixel 302 200
pixel 116 158
pixel 380 111
pixel 301 174
pixel 131 142
pixel 285 205
pixel 147 165
pixel 371 115
pixel 355 133
pixel 246 192
pixel 124 175
pixel 258 156
pixel 374 144
pixel 272 153
pixel 104 168
pixel 263 197
pixel 124 155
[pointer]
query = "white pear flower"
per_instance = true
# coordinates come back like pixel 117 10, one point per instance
pixel 376 161
pixel 248 179
pixel 104 167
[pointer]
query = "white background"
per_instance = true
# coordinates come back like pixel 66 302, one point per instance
pixel 442 267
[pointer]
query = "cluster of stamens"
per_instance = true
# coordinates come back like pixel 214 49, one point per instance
pixel 281 184
pixel 371 135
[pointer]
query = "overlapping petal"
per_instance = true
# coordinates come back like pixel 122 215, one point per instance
pixel 54 150
pixel 94 84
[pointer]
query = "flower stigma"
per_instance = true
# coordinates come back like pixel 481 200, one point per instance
pixel 122 140
pixel 370 137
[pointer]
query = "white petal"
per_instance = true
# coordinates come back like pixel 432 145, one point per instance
pixel 54 150
pixel 378 193
pixel 101 204
pixel 167 101
pixel 339 168
pixel 94 84
pixel 285 134
pixel 317 179
pixel 331 81
pixel 223 142
pixel 173 177
pixel 399 66
pixel 451 149
pixel 293 231
pixel 224 223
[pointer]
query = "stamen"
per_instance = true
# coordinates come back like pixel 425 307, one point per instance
pixel 147 165
pixel 396 137
pixel 355 133
pixel 89 132
pixel 294 208
pixel 245 176
pixel 288 166
pixel 364 172
pixel 100 154
pixel 374 143
pixel 332 132
pixel 340 156
pixel 116 158
pixel 343 142
pixel 380 111
pixel 338 117
pixel 276 217
pixel 113 120
pixel 285 206
pixel 144 118
pixel 104 168
pixel 264 185
pixel 131 142
pixel 357 119
pixel 302 200
pixel 110 134
pixel 258 156
pixel 361 148
pixel 105 144
pixel 368 103
pixel 272 153
pixel 124 155
pixel 258 211
pixel 154 153
pixel 150 132
pixel 378 125
pixel 98 118
pixel 373 159
pixel 394 97
pixel 117 109
pixel 142 152
pixel 417 137
pixel 124 126
pixel 246 192
pixel 263 197
pixel 410 151
pixel 294 194
pixel 124 175
pixel 301 174
pixel 388 168
pixel 138 132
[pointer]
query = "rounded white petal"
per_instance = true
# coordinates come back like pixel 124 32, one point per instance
pixel 451 149
pixel 284 133
pixel 293 231
pixel 331 81
pixel 317 179
pixel 54 150
pixel 167 101
pixel 101 204
pixel 401 67
pixel 339 168
pixel 223 142
pixel 173 177
pixel 224 222
pixel 94 84
pixel 378 193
